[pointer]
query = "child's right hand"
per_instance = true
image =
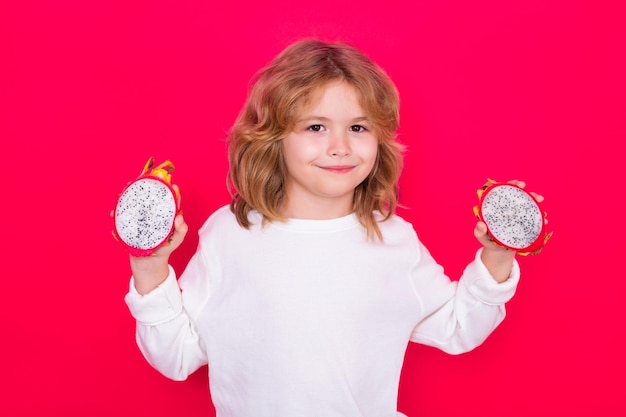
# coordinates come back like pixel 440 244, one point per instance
pixel 150 271
pixel 180 230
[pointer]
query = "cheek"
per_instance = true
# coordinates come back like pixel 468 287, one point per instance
pixel 372 157
pixel 369 152
pixel 305 150
pixel 297 151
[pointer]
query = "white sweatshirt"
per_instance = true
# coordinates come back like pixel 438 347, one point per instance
pixel 308 317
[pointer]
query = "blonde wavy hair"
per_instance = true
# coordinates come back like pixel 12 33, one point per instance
pixel 257 171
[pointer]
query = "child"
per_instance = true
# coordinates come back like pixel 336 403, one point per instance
pixel 304 292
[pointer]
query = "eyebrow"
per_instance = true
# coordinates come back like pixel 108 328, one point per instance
pixel 326 119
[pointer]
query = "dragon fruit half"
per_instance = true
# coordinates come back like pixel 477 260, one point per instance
pixel 143 218
pixel 513 217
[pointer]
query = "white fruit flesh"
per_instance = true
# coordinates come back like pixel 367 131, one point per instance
pixel 512 216
pixel 145 213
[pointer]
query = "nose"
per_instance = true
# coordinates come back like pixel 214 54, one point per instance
pixel 339 145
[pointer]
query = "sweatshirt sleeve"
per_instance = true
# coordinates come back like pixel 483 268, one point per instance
pixel 457 316
pixel 165 333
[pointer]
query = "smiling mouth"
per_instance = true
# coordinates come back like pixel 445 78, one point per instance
pixel 338 169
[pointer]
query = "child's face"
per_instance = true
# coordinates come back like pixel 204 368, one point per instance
pixel 330 151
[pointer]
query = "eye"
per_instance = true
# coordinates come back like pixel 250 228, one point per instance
pixel 315 128
pixel 358 128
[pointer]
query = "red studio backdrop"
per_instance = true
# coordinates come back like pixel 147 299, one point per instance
pixel 533 90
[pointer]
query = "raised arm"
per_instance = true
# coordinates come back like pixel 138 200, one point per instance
pixel 497 259
pixel 150 271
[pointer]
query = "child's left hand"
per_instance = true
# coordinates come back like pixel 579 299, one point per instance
pixel 480 231
pixel 496 258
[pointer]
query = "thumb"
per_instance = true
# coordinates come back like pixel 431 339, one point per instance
pixel 480 231
pixel 180 228
pixel 177 237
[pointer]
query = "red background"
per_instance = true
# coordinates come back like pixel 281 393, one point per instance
pixel 533 90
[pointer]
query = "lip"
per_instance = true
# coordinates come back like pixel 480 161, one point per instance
pixel 338 169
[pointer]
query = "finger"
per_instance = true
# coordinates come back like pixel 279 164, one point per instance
pixel 180 230
pixel 180 227
pixel 482 235
pixel 480 232
pixel 522 184
pixel 179 224
pixel 177 236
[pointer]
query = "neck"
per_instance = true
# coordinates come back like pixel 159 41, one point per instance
pixel 323 210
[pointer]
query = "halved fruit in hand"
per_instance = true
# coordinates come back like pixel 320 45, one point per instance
pixel 513 217
pixel 143 219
